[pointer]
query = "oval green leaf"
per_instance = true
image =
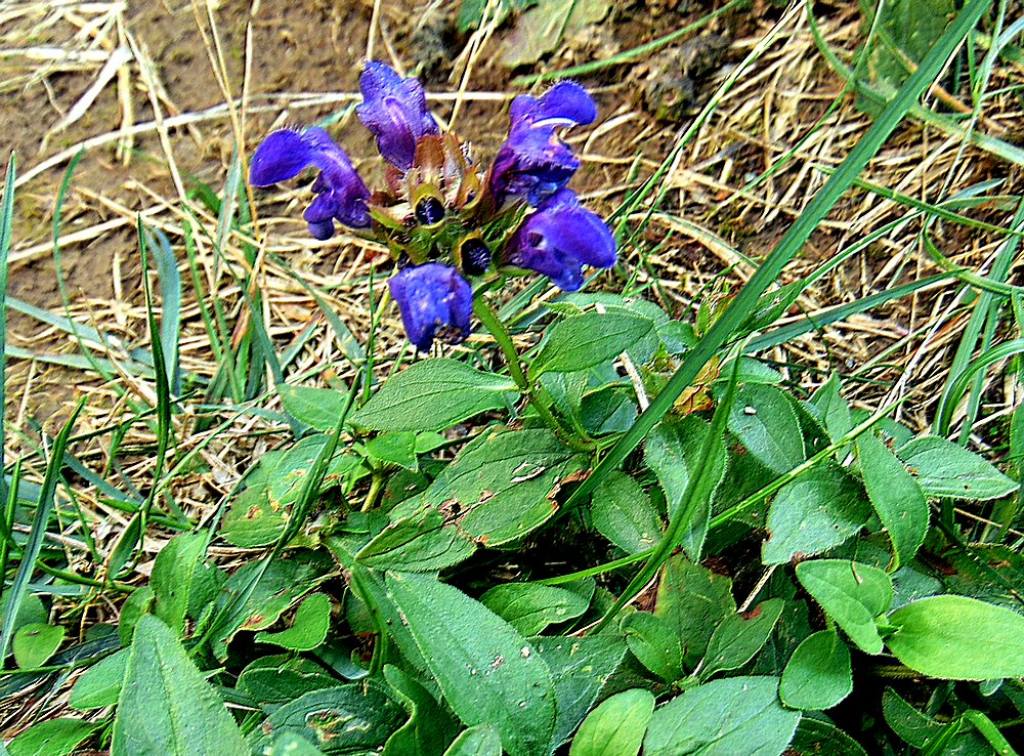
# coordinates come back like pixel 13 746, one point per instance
pixel 165 705
pixel 958 638
pixel 433 395
pixel 616 727
pixel 852 594
pixel 818 675
pixel 487 671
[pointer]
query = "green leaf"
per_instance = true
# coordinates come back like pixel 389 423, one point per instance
pixel 581 669
pixel 173 573
pixel 486 670
pixel 531 607
pixel 253 519
pixel 723 718
pixel 282 583
pixel 139 603
pixel 944 469
pixel 429 729
pixel 815 737
pixel 764 421
pixel 354 718
pixel 165 705
pixel 30 611
pixel 740 636
pixel 616 727
pixel 673 452
pixel 418 542
pixel 308 629
pixel 694 601
pixel 852 594
pixel 958 638
pixel 587 340
pixel 55 737
pixel 433 395
pixel 896 497
pixel 622 512
pixel 833 409
pixel 820 509
pixel 501 485
pixel 290 744
pixel 316 407
pixel 653 641
pixel 480 740
pixel 818 675
pixel 100 685
pixel 905 32
pixel 908 723
pixel 35 643
pixel 261 512
pixel 394 448
pixel 611 409
pixel 282 678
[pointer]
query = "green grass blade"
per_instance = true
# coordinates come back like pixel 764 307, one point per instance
pixel 58 213
pixel 30 552
pixel 783 334
pixel 163 386
pixel 136 529
pixel 789 246
pixel 170 305
pixel 944 413
pixel 698 491
pixel 10 503
pixel 6 234
pixel 981 326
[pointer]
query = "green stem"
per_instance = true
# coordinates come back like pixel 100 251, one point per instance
pixel 600 569
pixel 376 483
pixel 503 339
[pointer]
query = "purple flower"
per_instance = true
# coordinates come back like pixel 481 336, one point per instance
pixel 534 163
pixel 340 194
pixel 434 301
pixel 559 239
pixel 395 110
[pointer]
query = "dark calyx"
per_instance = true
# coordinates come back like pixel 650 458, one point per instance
pixel 476 257
pixel 429 211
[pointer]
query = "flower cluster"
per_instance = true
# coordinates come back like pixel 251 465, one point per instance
pixel 443 219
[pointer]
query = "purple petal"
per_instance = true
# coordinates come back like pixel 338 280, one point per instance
pixel 534 162
pixel 341 193
pixel 281 156
pixel 560 238
pixel 395 110
pixel 432 298
pixel 565 104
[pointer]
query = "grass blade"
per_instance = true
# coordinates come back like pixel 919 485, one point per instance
pixel 170 305
pixel 6 232
pixel 699 490
pixel 30 552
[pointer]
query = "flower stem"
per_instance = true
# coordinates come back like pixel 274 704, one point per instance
pixel 503 339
